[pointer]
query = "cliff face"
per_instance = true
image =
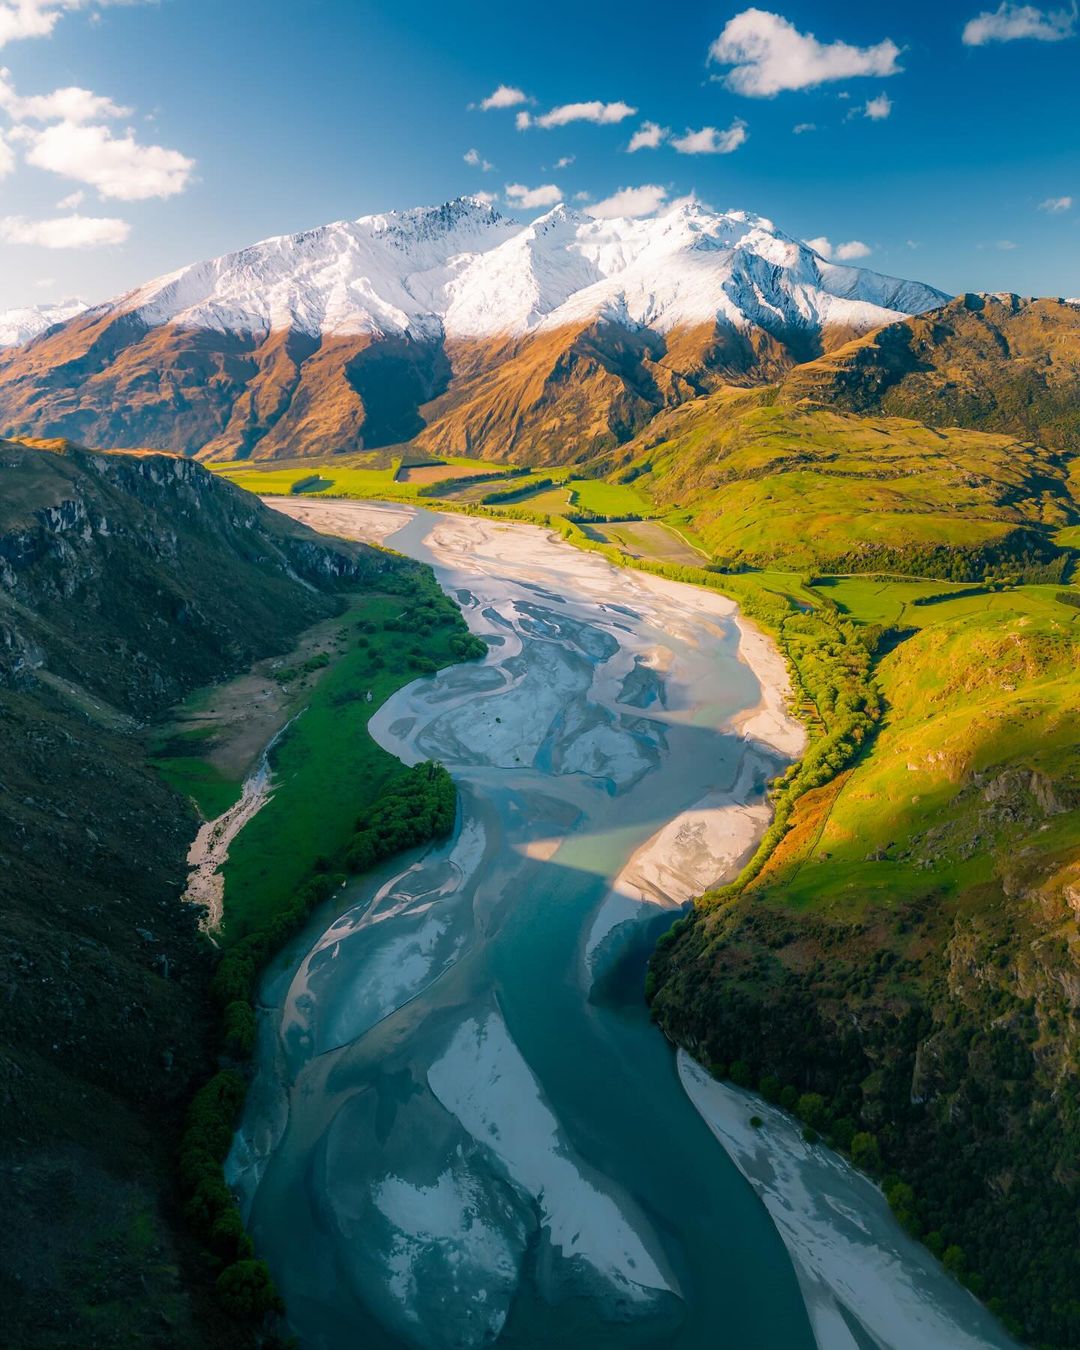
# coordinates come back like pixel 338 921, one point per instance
pixel 125 581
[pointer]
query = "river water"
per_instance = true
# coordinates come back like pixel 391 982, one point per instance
pixel 464 1128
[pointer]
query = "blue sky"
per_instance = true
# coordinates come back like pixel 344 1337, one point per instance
pixel 942 139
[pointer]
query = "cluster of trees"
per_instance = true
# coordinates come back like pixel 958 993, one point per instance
pixel 437 489
pixel 512 493
pixel 1022 556
pixel 417 807
pixel 306 484
pixel 317 662
pixel 244 1285
pixel 580 515
pixel 432 612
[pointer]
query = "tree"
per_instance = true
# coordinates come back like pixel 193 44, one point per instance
pixel 246 1288
pixel 865 1152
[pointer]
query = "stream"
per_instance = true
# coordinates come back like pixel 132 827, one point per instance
pixel 464 1128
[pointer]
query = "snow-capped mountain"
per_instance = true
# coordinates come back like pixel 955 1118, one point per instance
pixel 452 324
pixel 463 271
pixel 20 325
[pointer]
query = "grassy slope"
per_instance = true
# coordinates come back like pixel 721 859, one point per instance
pixel 195 777
pixel 808 487
pixel 993 363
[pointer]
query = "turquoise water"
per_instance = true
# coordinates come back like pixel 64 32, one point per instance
pixel 463 1133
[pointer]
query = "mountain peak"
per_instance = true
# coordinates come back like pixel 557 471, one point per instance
pixel 430 222
pixel 462 270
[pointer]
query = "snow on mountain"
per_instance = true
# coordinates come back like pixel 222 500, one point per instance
pixel 20 325
pixel 462 270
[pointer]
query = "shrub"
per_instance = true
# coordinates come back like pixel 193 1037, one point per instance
pixel 239 1029
pixel 812 1110
pixel 865 1152
pixel 770 1089
pixel 246 1289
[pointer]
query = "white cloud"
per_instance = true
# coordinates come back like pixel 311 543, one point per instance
pixel 7 157
pixel 527 198
pixel 71 104
pixel 117 166
pixel 691 199
pixel 801 128
pixel 854 248
pixel 710 141
pixel 37 18
pixel 476 159
pixel 647 137
pixel 769 55
pixel 1006 245
pixel 1009 22
pixel 523 121
pixel 506 96
pixel 602 114
pixel 73 231
pixel 877 109
pixel 581 196
pixel 45 283
pixel 565 162
pixel 1055 205
pixel 71 201
pixel 631 201
pixel 488 198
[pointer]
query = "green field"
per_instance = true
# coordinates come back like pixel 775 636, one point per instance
pixel 211 791
pixel 358 476
pixel 609 499
pixel 649 539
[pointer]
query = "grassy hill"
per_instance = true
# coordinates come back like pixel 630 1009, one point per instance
pixel 764 483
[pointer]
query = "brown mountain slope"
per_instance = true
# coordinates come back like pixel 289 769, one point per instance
pixel 990 362
pixel 555 396
pixel 125 581
pixel 111 381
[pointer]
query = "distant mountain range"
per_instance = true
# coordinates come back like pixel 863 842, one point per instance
pixel 451 324
pixel 20 325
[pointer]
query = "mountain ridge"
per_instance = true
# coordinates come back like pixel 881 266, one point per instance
pixel 361 334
